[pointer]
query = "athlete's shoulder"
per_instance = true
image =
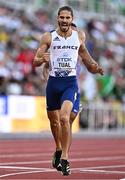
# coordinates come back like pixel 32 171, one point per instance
pixel 52 31
pixel 81 34
pixel 46 38
pixel 46 35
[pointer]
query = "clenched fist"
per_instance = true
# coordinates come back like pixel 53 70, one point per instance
pixel 95 68
pixel 92 66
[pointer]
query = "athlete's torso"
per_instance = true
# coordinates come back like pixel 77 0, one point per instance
pixel 64 54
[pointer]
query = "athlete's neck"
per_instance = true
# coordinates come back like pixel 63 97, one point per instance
pixel 64 34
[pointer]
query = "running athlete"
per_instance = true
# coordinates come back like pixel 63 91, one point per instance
pixel 73 115
pixel 65 45
pixel 75 110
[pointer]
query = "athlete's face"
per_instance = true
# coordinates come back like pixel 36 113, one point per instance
pixel 64 20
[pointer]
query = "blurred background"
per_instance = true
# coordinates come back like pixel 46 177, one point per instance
pixel 22 87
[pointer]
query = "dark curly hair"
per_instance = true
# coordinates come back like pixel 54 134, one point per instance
pixel 65 8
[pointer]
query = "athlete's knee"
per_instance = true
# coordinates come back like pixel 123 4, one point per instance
pixel 64 120
pixel 53 118
pixel 54 122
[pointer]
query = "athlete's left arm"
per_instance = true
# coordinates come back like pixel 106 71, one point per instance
pixel 88 61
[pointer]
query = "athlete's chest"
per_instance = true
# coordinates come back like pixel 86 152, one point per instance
pixel 64 44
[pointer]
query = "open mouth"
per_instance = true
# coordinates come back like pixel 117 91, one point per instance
pixel 64 25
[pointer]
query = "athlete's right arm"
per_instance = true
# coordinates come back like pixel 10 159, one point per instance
pixel 42 56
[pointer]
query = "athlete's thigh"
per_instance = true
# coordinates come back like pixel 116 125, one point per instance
pixel 67 100
pixel 66 108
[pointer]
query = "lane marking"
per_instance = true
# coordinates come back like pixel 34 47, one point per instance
pixel 108 166
pixel 72 160
pixel 23 167
pixel 10 154
pixel 86 168
pixel 19 173
pixel 73 169
pixel 95 169
pixel 103 171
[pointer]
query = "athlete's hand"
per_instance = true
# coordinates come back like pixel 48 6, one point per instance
pixel 41 58
pixel 92 66
pixel 46 57
pixel 95 68
pixel 100 70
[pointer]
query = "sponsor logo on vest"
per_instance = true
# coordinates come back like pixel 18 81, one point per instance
pixel 64 59
pixel 56 39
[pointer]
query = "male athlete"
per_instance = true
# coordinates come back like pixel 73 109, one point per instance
pixel 65 45
pixel 73 115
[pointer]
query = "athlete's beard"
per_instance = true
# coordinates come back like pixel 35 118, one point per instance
pixel 64 29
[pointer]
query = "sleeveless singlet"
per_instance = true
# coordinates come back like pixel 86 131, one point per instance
pixel 64 55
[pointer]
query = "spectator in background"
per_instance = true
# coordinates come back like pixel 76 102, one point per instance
pixel 105 42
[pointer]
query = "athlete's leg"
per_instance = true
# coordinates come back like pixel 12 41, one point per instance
pixel 74 113
pixel 53 104
pixel 55 127
pixel 65 127
pixel 72 118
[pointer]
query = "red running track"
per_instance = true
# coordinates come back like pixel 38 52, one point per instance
pixel 90 158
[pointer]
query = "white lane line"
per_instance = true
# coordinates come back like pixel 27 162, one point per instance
pixel 87 169
pixel 93 168
pixel 80 169
pixel 100 167
pixel 102 171
pixel 72 160
pixel 73 169
pixel 25 172
pixel 22 167
pixel 108 166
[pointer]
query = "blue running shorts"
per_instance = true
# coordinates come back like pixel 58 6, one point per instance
pixel 60 89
